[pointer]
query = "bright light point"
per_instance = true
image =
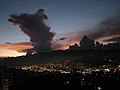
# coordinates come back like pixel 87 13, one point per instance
pixel 99 88
pixel 67 82
pixel 107 70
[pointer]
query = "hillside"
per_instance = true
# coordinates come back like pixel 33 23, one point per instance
pixel 93 57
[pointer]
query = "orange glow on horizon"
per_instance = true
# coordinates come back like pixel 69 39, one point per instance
pixel 8 53
pixel 17 48
pixel 13 49
pixel 66 46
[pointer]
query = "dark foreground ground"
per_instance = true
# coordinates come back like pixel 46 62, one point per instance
pixel 18 79
pixel 25 80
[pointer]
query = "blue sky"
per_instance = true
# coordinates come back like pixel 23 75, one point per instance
pixel 63 15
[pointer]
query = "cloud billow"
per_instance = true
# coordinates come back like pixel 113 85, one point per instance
pixel 108 30
pixel 34 26
pixel 110 27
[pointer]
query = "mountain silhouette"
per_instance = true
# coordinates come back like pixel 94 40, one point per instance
pixel 88 52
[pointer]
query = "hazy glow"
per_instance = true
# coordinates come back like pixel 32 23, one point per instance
pixel 14 49
pixel 66 46
pixel 105 38
pixel 10 53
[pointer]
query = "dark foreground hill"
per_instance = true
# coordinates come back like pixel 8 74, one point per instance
pixel 93 57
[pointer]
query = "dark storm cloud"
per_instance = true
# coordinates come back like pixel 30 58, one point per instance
pixel 34 26
pixel 108 27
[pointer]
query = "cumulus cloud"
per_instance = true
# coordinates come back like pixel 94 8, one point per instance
pixel 108 27
pixel 108 30
pixel 41 36
pixel 35 27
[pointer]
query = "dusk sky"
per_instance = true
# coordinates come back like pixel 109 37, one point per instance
pixel 65 17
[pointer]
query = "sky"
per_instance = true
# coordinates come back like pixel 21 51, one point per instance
pixel 67 18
